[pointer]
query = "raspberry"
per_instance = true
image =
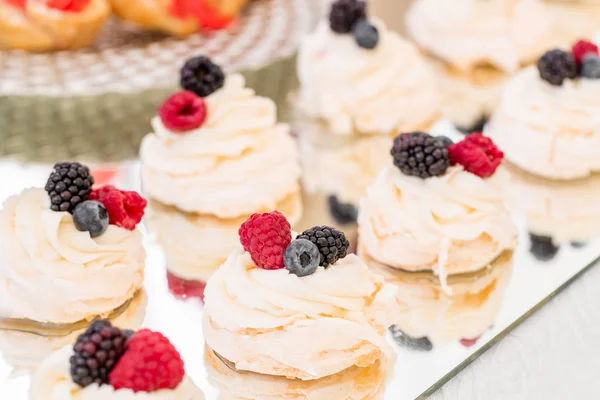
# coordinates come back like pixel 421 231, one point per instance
pixel 469 342
pixel 477 154
pixel 68 5
pixel 265 237
pixel 125 208
pixel 332 244
pixel 556 65
pixel 184 288
pixel 68 186
pixel 150 363
pixel 201 76
pixel 96 352
pixel 420 154
pixel 183 111
pixel 581 49
pixel 345 13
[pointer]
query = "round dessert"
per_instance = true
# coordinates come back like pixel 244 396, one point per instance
pixel 475 46
pixel 547 122
pixel 367 383
pixel 463 308
pixel 300 308
pixel 70 253
pixel 566 211
pixel 43 25
pixel 107 362
pixel 216 156
pixel 357 77
pixel 179 17
pixel 439 208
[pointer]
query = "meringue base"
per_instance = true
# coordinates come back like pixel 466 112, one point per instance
pixel 465 306
pixel 27 350
pixel 354 383
pixel 195 245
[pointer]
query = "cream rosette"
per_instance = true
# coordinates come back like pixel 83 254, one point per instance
pixel 238 162
pixel 276 323
pixel 550 131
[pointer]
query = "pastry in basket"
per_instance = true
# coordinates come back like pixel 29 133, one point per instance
pixel 44 25
pixel 179 17
pixel 68 254
pixel 439 208
pixel 216 156
pixel 107 362
pixel 301 308
pixel 547 121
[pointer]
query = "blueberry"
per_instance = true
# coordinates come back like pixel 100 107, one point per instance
pixel 403 340
pixel 342 213
pixel 445 140
pixel 578 245
pixel 365 34
pixel 91 216
pixel 590 66
pixel 302 257
pixel 542 247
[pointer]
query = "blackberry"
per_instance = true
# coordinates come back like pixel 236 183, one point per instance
pixel 345 13
pixel 557 65
pixel 333 244
pixel 342 213
pixel 201 76
pixel 446 141
pixel 419 154
pixel 69 185
pixel 97 351
pixel 542 247
pixel 403 340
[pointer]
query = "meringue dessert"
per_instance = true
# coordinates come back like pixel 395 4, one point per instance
pixel 354 383
pixel 44 25
pixel 439 208
pixel 436 312
pixel 300 308
pixel 475 46
pixel 107 362
pixel 68 254
pixel 216 156
pixel 360 84
pixel 547 122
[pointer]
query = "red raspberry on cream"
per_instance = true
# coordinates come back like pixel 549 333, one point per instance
pixel 477 154
pixel 265 237
pixel 183 111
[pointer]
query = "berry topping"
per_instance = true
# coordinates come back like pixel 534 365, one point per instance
pixel 184 289
pixel 403 340
pixel 265 237
pixel 68 5
pixel 302 257
pixel 446 141
pixel 201 76
pixel 365 34
pixel 69 184
pixel 91 216
pixel 345 13
pixel 183 111
pixel 556 65
pixel 542 247
pixel 419 154
pixel 16 3
pixel 469 342
pixel 583 48
pixel 150 363
pixel 97 351
pixel 590 67
pixel 342 213
pixel 477 154
pixel 125 208
pixel 332 244
pixel 207 15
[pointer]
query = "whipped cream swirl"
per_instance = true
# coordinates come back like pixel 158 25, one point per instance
pixel 547 130
pixel 449 224
pixel 467 33
pixel 52 381
pixel 379 91
pixel 276 323
pixel 240 161
pixel 51 272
